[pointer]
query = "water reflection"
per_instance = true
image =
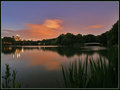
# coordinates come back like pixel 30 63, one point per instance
pixel 63 51
pixel 51 57
pixel 42 63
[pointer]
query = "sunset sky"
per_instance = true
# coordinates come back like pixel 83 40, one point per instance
pixel 39 20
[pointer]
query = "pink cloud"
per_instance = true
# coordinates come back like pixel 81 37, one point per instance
pixel 94 27
pixel 51 28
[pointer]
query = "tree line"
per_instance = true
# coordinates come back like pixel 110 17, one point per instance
pixel 108 38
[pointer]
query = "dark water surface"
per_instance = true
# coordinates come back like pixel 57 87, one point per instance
pixel 40 67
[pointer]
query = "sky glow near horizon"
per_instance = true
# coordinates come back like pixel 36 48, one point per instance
pixel 39 20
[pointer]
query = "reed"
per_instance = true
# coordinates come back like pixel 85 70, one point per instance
pixel 92 73
pixel 10 79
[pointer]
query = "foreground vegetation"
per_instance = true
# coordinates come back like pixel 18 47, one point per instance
pixel 90 73
pixel 10 79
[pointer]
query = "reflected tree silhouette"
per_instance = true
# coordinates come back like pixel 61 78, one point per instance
pixel 63 51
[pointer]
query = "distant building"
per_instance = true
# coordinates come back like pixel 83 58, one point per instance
pixel 17 38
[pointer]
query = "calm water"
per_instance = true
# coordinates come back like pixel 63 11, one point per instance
pixel 40 67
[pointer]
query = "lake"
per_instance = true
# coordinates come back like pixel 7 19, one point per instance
pixel 40 66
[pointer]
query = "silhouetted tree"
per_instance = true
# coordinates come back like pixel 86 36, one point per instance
pixel 89 38
pixel 112 35
pixel 108 38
